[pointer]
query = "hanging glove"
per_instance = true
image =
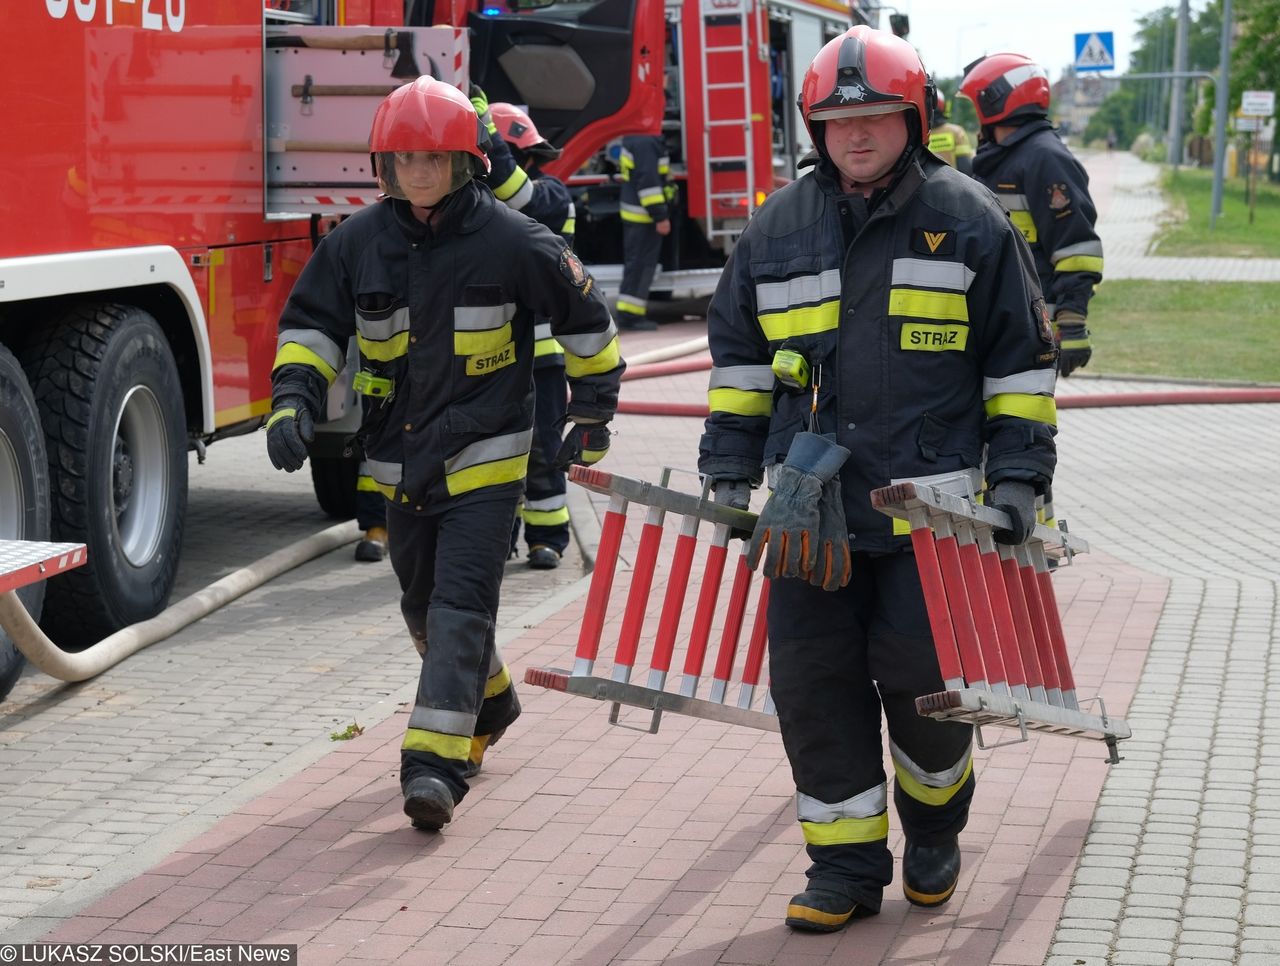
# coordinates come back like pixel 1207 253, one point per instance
pixel 835 563
pixel 786 533
pixel 480 101
pixel 732 493
pixel 1017 499
pixel 289 429
pixel 584 444
pixel 1072 335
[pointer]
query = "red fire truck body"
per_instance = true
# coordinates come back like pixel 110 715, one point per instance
pixel 169 165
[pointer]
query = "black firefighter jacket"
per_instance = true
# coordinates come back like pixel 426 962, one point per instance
pixel 1046 192
pixel 446 314
pixel 926 329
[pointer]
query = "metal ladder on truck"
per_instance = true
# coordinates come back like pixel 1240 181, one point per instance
pixel 732 55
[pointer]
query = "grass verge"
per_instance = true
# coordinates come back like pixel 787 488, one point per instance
pixel 1190 190
pixel 1186 330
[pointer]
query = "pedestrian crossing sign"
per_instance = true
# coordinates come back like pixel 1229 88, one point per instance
pixel 1095 51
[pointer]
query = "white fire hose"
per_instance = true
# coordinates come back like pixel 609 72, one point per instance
pixel 110 651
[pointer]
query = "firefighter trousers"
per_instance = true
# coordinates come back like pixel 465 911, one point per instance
pixel 546 510
pixel 450 566
pixel 641 246
pixel 836 660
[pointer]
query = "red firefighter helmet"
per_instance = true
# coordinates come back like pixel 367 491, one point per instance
pixel 942 103
pixel 1003 86
pixel 518 130
pixel 865 71
pixel 427 115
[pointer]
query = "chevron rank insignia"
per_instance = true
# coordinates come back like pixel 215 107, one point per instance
pixel 933 242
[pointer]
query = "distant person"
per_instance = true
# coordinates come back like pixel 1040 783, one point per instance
pixel 950 141
pixel 646 220
pixel 1111 139
pixel 1044 188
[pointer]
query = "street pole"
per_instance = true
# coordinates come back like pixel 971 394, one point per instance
pixel 1220 108
pixel 1179 86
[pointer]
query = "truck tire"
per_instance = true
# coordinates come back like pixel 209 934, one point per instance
pixel 334 480
pixel 110 401
pixel 24 492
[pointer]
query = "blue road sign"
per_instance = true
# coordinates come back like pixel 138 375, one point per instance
pixel 1095 51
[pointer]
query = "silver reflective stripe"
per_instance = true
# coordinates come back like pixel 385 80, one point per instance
pixel 495 662
pixel 751 378
pixel 388 474
pixel 1033 382
pixel 443 722
pixel 542 330
pixel 866 804
pixel 550 503
pixel 645 189
pixel 931 779
pixel 490 450
pixel 1079 248
pixel 1020 75
pixel 584 345
pixel 1013 202
pixel 480 317
pixel 380 330
pixel 521 197
pixel 772 296
pixel 573 212
pixel 317 342
pixel 917 272
pixel 634 209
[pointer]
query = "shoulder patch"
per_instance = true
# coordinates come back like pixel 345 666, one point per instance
pixel 1058 197
pixel 928 242
pixel 571 267
pixel 1040 312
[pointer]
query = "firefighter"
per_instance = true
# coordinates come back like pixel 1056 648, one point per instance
pixel 1044 188
pixel 516 148
pixel 440 285
pixel 950 141
pixel 878 320
pixel 645 222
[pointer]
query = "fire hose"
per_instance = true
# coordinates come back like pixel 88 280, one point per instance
pixel 66 666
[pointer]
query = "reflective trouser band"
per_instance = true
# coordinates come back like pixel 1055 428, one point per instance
pixel 497 683
pixel 545 518
pixel 366 484
pixel 632 306
pixel 454 747
pixel 847 831
pixel 927 793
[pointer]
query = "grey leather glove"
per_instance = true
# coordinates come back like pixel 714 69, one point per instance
pixel 1017 499
pixel 732 493
pixel 289 430
pixel 786 534
pixel 834 562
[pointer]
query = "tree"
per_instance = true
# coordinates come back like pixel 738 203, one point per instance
pixel 1255 61
pixel 1119 113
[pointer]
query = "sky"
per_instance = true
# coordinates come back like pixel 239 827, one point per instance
pixel 951 33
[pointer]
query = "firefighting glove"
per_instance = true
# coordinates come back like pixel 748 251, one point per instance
pixel 584 444
pixel 732 493
pixel 289 429
pixel 1073 342
pixel 1018 500
pixel 480 101
pixel 835 563
pixel 786 533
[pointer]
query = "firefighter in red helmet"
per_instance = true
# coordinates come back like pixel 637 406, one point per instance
pixel 913 304
pixel 440 285
pixel 1044 188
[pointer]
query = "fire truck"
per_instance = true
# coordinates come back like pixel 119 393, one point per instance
pixel 170 165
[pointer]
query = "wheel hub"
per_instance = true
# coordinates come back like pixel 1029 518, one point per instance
pixel 122 476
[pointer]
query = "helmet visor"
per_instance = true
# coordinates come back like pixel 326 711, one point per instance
pixel 423 178
pixel 862 110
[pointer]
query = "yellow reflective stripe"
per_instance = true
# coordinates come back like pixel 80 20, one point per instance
pixel 926 793
pixel 487 474
pixel 1080 263
pixel 590 456
pixel 498 683
pixel 291 353
pixel 454 747
pixel 568 227
pixel 603 361
pixel 366 484
pixel 847 831
pixel 1023 221
pixel 485 340
pixel 1040 409
pixel 928 305
pixel 964 149
pixel 631 306
pixel 513 184
pixel 279 414
pixel 940 141
pixel 924 337
pixel 740 402
pixel 1076 344
pixel 635 217
pixel 547 347
pixel 806 321
pixel 653 198
pixel 901 528
pixel 392 348
pixel 545 518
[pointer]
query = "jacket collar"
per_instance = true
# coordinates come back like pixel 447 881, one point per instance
pixel 990 153
pixel 461 213
pixel 890 198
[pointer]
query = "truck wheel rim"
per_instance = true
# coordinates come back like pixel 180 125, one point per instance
pixel 140 475
pixel 11 516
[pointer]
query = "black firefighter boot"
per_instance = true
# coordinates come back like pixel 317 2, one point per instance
pixel 930 872
pixel 822 910
pixel 428 803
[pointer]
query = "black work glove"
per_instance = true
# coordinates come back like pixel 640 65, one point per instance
pixel 584 444
pixel 289 430
pixel 1074 350
pixel 786 533
pixel 834 562
pixel 1017 499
